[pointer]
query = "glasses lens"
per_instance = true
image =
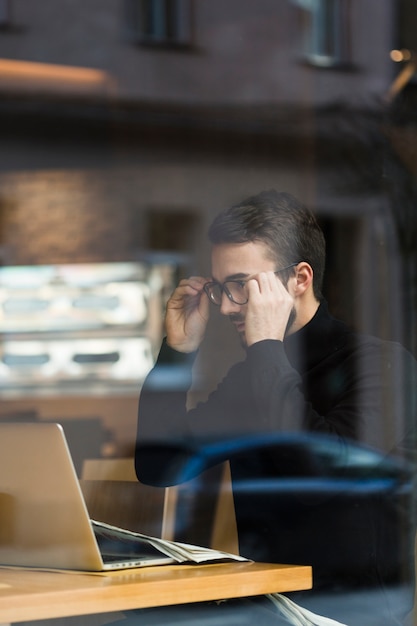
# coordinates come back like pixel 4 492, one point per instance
pixel 214 292
pixel 236 291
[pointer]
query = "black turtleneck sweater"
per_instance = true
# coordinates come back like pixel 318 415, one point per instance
pixel 323 378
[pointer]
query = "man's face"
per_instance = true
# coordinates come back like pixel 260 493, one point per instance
pixel 240 261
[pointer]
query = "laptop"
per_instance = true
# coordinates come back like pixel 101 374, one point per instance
pixel 44 520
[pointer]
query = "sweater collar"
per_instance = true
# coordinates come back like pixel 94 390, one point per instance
pixel 321 336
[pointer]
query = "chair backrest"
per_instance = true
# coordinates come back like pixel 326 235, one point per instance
pixel 200 511
pixel 224 535
pixel 109 469
pixel 114 495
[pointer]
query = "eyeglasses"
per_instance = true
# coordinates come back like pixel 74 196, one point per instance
pixel 235 290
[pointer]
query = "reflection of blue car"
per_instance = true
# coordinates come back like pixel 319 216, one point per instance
pixel 312 499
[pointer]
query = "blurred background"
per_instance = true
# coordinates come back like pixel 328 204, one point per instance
pixel 126 125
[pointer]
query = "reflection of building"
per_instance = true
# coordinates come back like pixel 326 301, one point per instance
pixel 127 125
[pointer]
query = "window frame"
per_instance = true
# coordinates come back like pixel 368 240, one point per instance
pixel 325 26
pixel 160 23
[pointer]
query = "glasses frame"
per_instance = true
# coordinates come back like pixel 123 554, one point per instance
pixel 241 282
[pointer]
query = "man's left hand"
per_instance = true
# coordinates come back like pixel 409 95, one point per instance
pixel 268 309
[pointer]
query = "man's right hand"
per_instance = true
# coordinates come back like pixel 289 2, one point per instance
pixel 187 315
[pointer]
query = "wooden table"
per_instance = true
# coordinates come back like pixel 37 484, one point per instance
pixel 31 595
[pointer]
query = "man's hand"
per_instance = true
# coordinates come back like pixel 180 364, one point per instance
pixel 187 315
pixel 268 309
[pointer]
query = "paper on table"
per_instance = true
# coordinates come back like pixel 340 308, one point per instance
pixel 180 552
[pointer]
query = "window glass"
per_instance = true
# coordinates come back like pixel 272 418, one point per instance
pixel 160 22
pixel 279 358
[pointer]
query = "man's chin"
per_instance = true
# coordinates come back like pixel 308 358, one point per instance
pixel 242 339
pixel 241 335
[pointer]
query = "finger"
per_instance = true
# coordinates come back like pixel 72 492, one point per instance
pixel 277 285
pixel 266 282
pixel 261 284
pixel 253 288
pixel 194 282
pixel 189 287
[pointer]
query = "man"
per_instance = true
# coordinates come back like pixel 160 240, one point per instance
pixel 303 372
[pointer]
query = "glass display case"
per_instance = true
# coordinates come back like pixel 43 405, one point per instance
pixel 79 327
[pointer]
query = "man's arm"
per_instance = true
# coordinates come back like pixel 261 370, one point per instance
pixel 356 399
pixel 162 429
pixel 259 395
pixel 162 422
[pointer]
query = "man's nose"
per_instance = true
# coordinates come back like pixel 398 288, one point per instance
pixel 227 306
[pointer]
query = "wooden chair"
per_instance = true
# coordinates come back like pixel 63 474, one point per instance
pixel 200 511
pixel 114 495
pixel 224 535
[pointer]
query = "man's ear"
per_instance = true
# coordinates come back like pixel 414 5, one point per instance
pixel 303 278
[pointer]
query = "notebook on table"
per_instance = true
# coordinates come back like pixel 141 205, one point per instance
pixel 44 521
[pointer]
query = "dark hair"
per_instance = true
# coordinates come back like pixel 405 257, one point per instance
pixel 289 230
